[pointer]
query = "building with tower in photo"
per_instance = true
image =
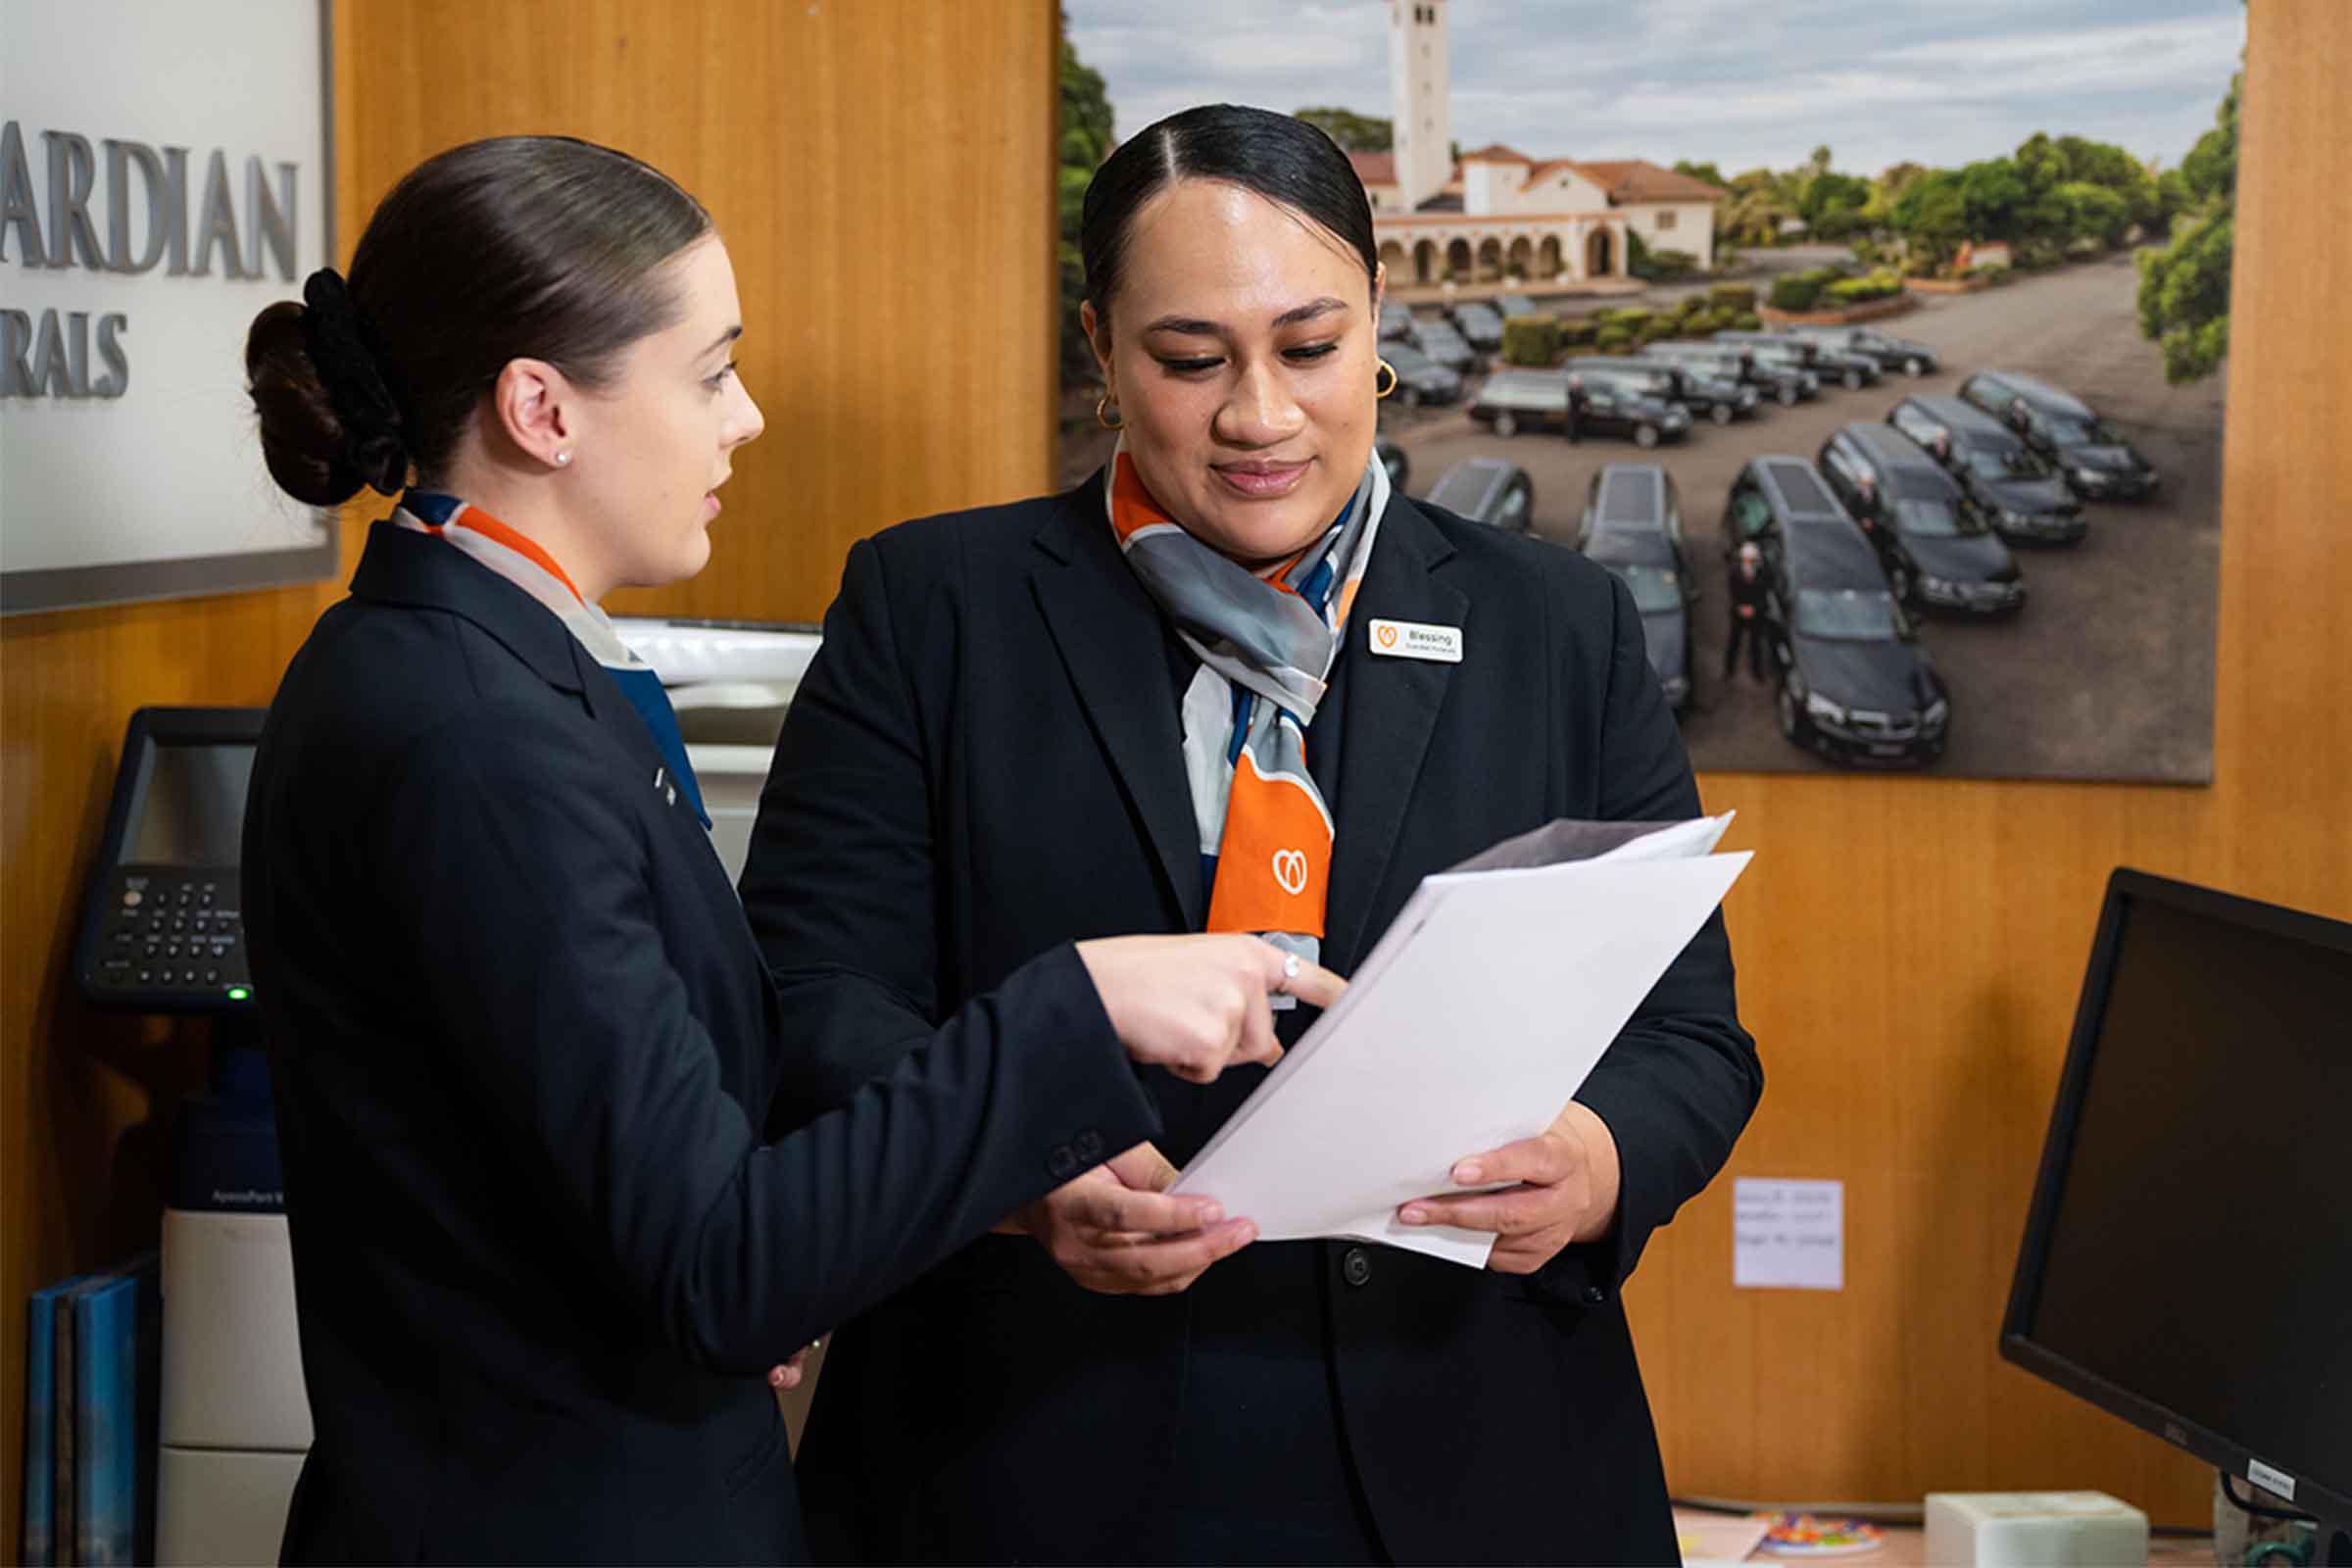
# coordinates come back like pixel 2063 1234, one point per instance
pixel 1497 213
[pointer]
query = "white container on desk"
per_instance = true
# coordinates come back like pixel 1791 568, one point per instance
pixel 2034 1530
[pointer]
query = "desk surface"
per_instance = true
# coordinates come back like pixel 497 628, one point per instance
pixel 1906 1547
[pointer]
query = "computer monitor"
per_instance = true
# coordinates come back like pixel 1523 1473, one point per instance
pixel 162 931
pixel 2187 1260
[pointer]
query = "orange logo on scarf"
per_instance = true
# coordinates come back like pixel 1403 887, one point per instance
pixel 1275 861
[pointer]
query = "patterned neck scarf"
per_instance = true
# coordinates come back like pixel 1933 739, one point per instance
pixel 518 559
pixel 1266 647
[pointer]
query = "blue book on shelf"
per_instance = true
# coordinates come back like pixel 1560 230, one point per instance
pixel 114 1331
pixel 38 1544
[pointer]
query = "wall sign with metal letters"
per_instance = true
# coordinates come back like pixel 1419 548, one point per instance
pixel 165 173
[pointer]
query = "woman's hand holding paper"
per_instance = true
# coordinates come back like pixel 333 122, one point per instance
pixel 1116 1231
pixel 1566 1190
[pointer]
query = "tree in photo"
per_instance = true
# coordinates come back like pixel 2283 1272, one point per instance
pixel 1086 140
pixel 1878 213
pixel 1355 132
pixel 1931 215
pixel 1834 203
pixel 1996 199
pixel 1752 209
pixel 2095 212
pixel 2044 218
pixel 2184 284
pixel 2078 190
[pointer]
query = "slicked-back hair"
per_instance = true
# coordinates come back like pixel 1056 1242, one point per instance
pixel 515 247
pixel 1282 159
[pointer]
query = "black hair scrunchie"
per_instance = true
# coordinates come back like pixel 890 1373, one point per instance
pixel 339 345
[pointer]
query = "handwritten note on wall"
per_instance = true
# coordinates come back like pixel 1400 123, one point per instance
pixel 1788 1235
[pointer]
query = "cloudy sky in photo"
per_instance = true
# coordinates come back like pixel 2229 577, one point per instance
pixel 1735 82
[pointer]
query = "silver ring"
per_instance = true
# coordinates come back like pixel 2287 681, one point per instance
pixel 1290 973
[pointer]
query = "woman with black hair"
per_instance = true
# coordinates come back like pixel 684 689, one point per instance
pixel 523 1046
pixel 1179 698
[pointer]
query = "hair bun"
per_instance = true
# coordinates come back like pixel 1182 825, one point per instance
pixel 373 448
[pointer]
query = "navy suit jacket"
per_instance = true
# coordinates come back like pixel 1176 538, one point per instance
pixel 984 761
pixel 524 1050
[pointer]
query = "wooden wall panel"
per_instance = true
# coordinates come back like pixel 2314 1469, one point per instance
pixel 1910 950
pixel 883 177
pixel 882 173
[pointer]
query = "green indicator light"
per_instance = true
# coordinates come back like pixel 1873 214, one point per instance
pixel 238 993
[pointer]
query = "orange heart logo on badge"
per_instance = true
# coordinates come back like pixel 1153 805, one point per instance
pixel 1290 869
pixel 1386 635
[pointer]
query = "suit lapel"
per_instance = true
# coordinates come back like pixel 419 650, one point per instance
pixel 402 567
pixel 618 718
pixel 1108 631
pixel 1391 709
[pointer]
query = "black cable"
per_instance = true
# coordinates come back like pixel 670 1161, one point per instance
pixel 2256 1509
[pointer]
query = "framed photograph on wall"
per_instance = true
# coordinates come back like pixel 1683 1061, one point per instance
pixel 1894 341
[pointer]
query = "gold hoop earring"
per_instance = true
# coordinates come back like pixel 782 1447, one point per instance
pixel 1379 390
pixel 1106 413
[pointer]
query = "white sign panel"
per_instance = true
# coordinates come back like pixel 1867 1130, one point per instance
pixel 165 173
pixel 1788 1235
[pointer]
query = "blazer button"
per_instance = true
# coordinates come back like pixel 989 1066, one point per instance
pixel 1088 1145
pixel 1594 1296
pixel 1061 1164
pixel 1356 1266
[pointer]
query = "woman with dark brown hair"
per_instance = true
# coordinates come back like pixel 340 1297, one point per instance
pixel 524 1043
pixel 1232 683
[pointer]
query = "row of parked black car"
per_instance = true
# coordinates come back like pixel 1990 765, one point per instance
pixel 1854 682
pixel 2044 433
pixel 1433 358
pixel 1915 513
pixel 1656 394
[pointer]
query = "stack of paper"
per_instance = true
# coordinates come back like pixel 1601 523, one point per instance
pixel 1469 1026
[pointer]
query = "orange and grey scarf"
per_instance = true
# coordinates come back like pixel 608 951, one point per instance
pixel 521 559
pixel 1266 647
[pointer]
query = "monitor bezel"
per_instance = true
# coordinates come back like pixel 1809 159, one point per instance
pixel 2125 887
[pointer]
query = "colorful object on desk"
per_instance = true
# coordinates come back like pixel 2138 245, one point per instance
pixel 1804 1535
pixel 1711 1538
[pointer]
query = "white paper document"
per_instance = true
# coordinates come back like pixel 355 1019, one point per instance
pixel 1468 1026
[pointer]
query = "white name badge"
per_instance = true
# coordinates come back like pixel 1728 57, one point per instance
pixel 1413 639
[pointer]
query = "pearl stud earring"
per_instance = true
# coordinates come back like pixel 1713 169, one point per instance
pixel 561 458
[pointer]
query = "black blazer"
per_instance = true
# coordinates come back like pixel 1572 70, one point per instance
pixel 523 1049
pixel 984 761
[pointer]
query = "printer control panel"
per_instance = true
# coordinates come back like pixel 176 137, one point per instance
pixel 169 936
